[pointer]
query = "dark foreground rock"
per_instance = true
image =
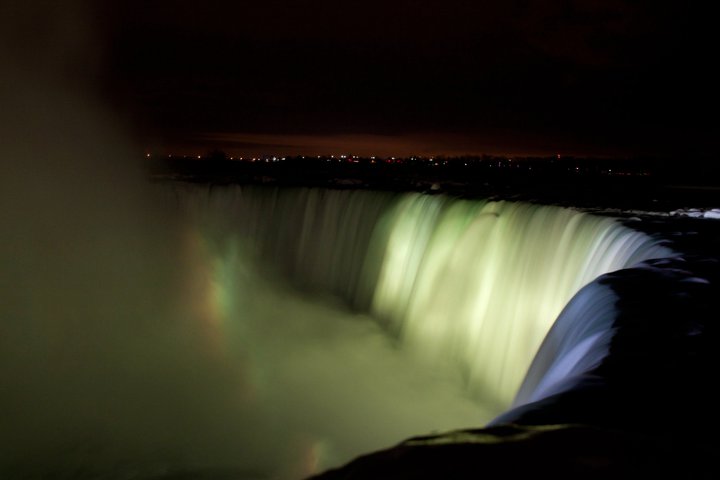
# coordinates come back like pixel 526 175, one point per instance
pixel 551 451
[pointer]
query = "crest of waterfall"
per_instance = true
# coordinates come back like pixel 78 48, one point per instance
pixel 471 282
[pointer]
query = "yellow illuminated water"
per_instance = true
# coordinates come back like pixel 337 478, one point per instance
pixel 480 283
pixel 336 322
pixel 272 333
pixel 472 284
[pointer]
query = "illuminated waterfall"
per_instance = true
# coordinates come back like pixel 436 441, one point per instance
pixel 476 284
pixel 576 343
pixel 274 333
pixel 481 283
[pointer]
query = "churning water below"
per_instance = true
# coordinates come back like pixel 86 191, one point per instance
pixel 315 325
pixel 424 310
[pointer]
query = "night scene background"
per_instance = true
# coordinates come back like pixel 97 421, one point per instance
pixel 262 239
pixel 398 78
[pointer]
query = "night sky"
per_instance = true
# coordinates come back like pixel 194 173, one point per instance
pixel 584 77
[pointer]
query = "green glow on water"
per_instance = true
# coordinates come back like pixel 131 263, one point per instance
pixel 407 312
pixel 473 283
pixel 480 283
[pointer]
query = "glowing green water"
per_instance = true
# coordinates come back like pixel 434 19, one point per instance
pixel 480 283
pixel 274 331
pixel 475 284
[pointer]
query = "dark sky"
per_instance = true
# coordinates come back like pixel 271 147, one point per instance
pixel 598 77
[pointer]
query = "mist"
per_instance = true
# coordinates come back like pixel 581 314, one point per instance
pixel 117 358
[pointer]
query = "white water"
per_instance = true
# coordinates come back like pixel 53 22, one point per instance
pixel 482 283
pixel 576 343
pixel 277 332
pixel 453 297
pixel 471 283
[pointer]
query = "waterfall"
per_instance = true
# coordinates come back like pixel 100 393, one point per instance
pixel 576 343
pixel 472 283
pixel 274 333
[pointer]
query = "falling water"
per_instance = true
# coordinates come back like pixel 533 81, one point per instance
pixel 273 333
pixel 474 285
pixel 481 283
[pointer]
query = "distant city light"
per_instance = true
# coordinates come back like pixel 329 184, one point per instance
pixel 472 162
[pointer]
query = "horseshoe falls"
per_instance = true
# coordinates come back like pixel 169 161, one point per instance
pixel 464 290
pixel 251 332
